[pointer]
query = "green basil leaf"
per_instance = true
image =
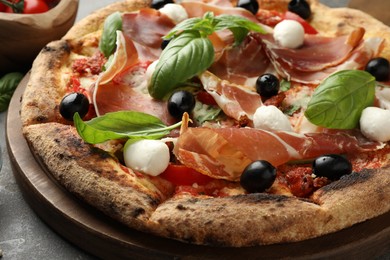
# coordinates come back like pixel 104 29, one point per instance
pixel 121 124
pixel 107 42
pixel 186 25
pixel 184 57
pixel 239 26
pixel 8 84
pixel 339 100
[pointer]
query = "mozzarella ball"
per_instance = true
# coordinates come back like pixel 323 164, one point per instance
pixel 148 156
pixel 270 118
pixel 375 124
pixel 289 34
pixel 175 12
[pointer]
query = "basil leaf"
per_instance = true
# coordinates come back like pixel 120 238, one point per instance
pixel 340 99
pixel 185 56
pixel 121 124
pixel 8 84
pixel 238 25
pixel 107 42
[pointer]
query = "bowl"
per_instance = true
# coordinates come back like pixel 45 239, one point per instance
pixel 22 36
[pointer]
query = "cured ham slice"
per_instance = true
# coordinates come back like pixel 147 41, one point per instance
pixel 367 49
pixel 224 153
pixel 242 62
pixel 198 9
pixel 237 101
pixel 128 91
pixel 146 29
pixel 317 52
pixel 123 85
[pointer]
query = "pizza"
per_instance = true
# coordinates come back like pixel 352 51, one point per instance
pixel 218 123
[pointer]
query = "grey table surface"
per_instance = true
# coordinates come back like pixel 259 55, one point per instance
pixel 23 235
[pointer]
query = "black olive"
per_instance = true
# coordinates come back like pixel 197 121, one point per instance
pixel 250 5
pixel 181 101
pixel 267 85
pixel 258 176
pixel 332 166
pixel 300 7
pixel 72 103
pixel 164 44
pixel 379 68
pixel 157 4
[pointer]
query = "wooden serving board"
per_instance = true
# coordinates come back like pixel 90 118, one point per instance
pixel 101 236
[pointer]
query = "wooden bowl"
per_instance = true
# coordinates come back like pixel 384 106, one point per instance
pixel 22 36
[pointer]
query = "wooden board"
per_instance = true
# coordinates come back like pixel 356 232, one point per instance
pixel 105 238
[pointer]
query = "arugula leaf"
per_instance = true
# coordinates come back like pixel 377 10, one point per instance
pixel 285 85
pixel 8 84
pixel 340 99
pixel 107 42
pixel 187 55
pixel 119 125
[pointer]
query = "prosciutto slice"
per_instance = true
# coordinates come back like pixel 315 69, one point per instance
pixel 317 52
pixel 236 101
pixel 123 86
pixel 198 9
pixel 242 62
pixel 146 29
pixel 224 153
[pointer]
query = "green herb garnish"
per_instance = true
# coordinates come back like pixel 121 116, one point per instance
pixel 8 84
pixel 339 100
pixel 120 125
pixel 107 42
pixel 191 52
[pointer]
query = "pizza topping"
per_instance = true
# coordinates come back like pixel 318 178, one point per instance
pixel 289 34
pixel 244 63
pixel 121 125
pixel 267 85
pixel 375 124
pixel 270 118
pixel 332 166
pixel 191 51
pixel 182 175
pixel 224 152
pixel 340 99
pixel 107 42
pixel 300 7
pixel 237 101
pixel 146 29
pixel 180 102
pixel 175 12
pixel 250 5
pixel 258 176
pixel 147 156
pixel 157 4
pixel 379 68
pixel 72 103
pixel 306 26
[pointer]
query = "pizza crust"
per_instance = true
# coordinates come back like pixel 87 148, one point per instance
pixel 342 21
pixel 241 220
pixel 95 176
pixel 46 85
